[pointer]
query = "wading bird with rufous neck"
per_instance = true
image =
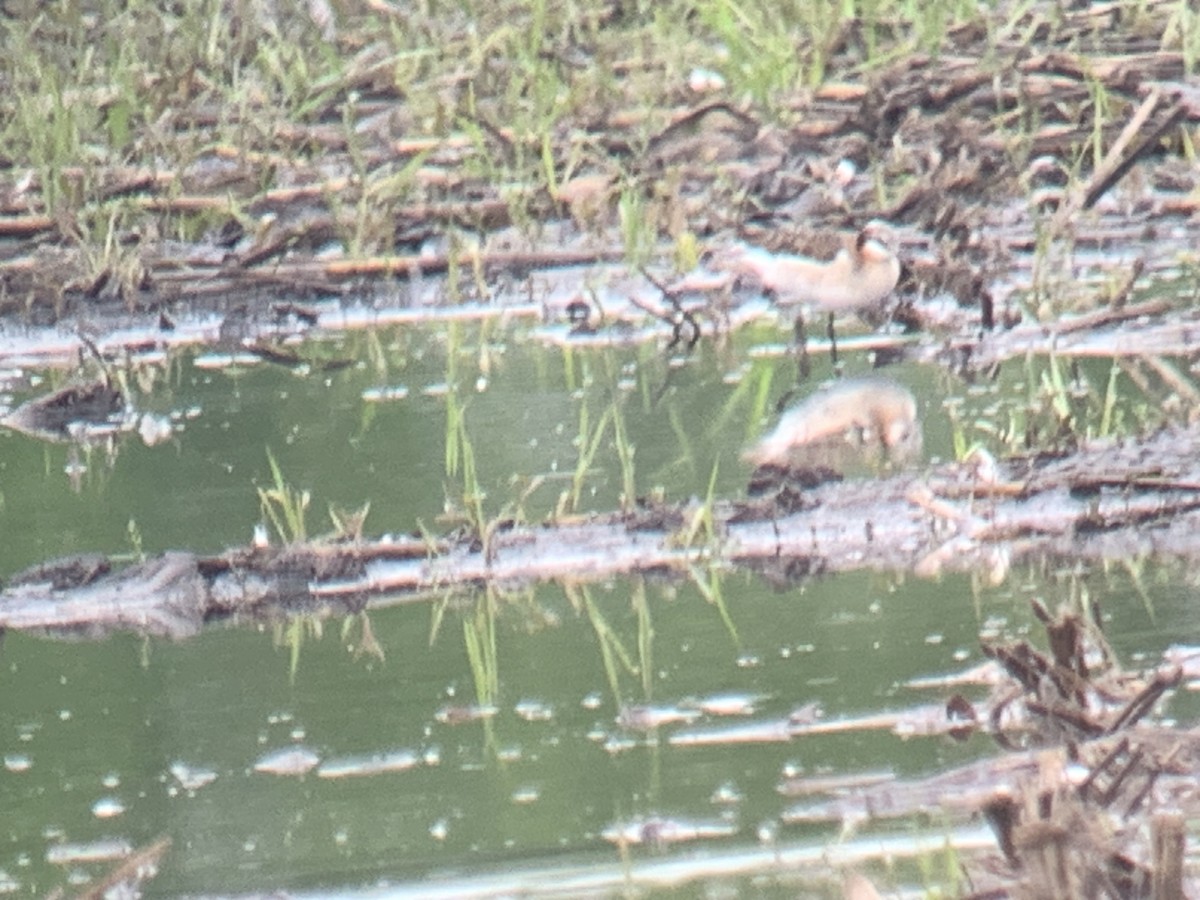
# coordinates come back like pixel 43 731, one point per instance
pixel 859 277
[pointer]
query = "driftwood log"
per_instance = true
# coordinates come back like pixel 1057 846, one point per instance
pixel 1113 499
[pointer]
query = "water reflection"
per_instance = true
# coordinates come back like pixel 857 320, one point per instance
pixel 517 783
pixel 503 728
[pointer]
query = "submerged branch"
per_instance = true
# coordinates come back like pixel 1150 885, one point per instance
pixel 1108 500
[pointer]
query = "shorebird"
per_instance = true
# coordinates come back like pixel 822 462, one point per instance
pixel 863 418
pixel 859 277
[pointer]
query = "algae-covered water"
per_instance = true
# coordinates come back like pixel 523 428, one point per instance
pixel 488 739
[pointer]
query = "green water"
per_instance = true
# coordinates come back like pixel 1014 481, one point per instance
pixel 539 780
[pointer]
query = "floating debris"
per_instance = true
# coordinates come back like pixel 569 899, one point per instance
pixel 108 808
pixel 461 715
pixel 192 778
pixel 154 430
pixel 660 832
pixel 615 744
pixel 534 711
pixel 985 673
pixel 385 394
pixel 726 794
pixel 647 718
pixel 374 764
pixel 768 732
pixel 17 762
pixel 523 796
pixel 803 785
pixel 289 761
pixel 726 704
pixel 69 854
pixel 215 361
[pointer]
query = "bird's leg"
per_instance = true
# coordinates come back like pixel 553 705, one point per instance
pixel 801 338
pixel 832 343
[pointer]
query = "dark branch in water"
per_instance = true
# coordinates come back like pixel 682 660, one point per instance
pixel 1067 808
pixel 1146 502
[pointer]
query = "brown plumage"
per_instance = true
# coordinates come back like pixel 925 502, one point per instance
pixel 859 278
pixel 861 275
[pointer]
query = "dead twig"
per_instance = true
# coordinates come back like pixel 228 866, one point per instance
pixel 1113 165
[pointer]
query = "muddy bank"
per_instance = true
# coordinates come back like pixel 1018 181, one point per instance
pixel 976 153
